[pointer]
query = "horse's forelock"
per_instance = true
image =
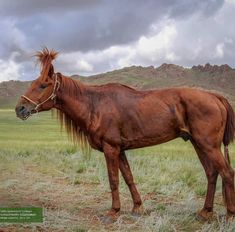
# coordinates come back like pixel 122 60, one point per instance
pixel 46 55
pixel 45 58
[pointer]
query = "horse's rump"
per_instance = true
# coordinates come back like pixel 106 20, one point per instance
pixel 229 132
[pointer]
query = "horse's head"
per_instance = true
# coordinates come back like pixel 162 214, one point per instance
pixel 41 94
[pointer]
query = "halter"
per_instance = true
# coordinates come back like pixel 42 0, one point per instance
pixel 51 97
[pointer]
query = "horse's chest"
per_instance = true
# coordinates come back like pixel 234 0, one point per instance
pixel 95 142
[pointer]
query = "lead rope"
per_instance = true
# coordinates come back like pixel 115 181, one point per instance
pixel 51 97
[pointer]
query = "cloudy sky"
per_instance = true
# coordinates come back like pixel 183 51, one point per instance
pixel 96 36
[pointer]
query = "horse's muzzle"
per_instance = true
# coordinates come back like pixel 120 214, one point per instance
pixel 22 112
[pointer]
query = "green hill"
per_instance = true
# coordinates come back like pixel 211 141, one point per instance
pixel 213 77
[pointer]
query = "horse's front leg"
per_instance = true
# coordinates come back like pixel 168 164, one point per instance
pixel 128 177
pixel 112 159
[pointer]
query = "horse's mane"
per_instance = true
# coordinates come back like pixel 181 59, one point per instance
pixel 75 133
pixel 71 87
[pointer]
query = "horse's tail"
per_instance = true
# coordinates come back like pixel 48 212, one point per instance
pixel 229 132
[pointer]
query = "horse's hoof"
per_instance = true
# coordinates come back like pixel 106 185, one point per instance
pixel 110 217
pixel 204 215
pixel 137 211
pixel 113 213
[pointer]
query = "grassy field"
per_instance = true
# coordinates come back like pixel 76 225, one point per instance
pixel 40 167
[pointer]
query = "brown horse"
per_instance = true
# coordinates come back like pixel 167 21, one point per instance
pixel 114 118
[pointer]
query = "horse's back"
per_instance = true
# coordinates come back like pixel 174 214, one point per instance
pixel 165 114
pixel 151 117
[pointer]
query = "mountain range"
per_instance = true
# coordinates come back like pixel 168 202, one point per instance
pixel 219 78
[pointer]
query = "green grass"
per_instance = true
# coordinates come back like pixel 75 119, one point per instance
pixel 37 132
pixel 40 167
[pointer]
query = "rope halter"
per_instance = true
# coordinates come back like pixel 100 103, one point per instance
pixel 51 97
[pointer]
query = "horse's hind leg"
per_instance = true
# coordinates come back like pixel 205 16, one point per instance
pixel 128 177
pixel 226 172
pixel 212 174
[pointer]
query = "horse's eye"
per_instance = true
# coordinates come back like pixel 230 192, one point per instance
pixel 43 86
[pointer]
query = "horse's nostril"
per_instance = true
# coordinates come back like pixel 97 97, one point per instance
pixel 22 108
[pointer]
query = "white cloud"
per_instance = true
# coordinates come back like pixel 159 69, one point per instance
pixel 152 49
pixel 230 1
pixel 10 70
pixel 182 42
pixel 158 45
pixel 146 50
pixel 219 52
pixel 72 63
pixel 84 66
pixel 12 39
pixel 196 38
pixel 92 62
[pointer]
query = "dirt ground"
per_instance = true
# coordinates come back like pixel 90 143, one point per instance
pixel 69 207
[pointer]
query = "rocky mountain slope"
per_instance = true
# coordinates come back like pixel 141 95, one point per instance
pixel 213 77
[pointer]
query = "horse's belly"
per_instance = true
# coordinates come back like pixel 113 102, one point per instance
pixel 138 142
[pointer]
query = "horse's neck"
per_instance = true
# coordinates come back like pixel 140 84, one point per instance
pixel 76 107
